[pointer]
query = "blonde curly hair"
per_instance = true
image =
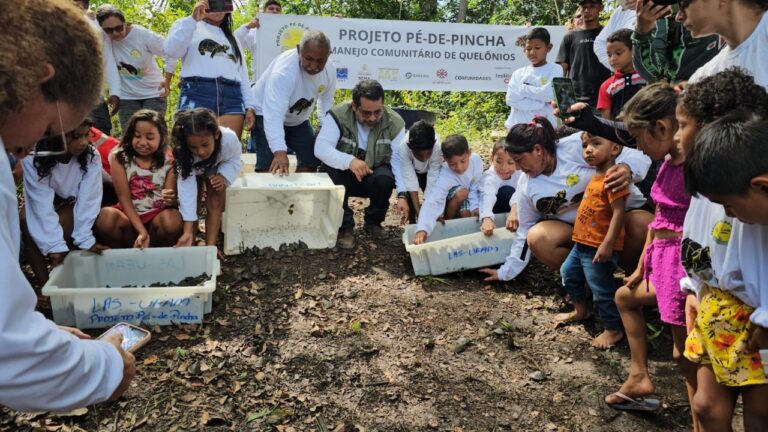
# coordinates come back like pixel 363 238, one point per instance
pixel 39 32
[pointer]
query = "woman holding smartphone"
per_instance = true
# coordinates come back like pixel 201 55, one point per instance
pixel 214 74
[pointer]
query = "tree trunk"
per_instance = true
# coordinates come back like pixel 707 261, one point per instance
pixel 462 15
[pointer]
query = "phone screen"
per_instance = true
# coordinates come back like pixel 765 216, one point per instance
pixel 565 94
pixel 220 6
pixel 131 335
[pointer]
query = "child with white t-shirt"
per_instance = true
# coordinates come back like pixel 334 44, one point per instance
pixel 456 191
pixel 529 92
pixel 498 186
pixel 420 160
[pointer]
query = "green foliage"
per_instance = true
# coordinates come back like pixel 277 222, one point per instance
pixel 474 114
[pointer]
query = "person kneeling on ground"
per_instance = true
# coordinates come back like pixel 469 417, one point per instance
pixel 358 146
pixel 456 191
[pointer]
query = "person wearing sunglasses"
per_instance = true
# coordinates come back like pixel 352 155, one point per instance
pixel 62 198
pixel 135 50
pixel 46 93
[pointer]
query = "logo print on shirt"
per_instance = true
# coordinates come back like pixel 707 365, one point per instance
pixel 135 54
pixel 572 180
pixel 721 233
pixel 301 105
pixel 128 68
pixel 696 259
pixel 551 205
pixel 213 47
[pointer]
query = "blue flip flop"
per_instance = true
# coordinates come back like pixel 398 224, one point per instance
pixel 635 404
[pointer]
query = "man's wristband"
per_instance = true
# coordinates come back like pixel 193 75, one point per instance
pixel 403 195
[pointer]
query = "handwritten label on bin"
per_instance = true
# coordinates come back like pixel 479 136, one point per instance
pixel 471 251
pixel 150 309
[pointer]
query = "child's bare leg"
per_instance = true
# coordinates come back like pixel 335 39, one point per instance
pixel 550 242
pixel 166 228
pixel 713 403
pixel 755 398
pixel 454 204
pixel 214 202
pixel 114 229
pixel 630 303
pixel 687 369
pixel 67 221
pixel 234 122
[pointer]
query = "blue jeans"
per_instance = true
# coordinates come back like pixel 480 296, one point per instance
pixel 578 268
pixel 220 95
pixel 299 138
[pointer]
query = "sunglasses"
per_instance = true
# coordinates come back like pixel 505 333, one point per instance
pixel 115 29
pixel 50 141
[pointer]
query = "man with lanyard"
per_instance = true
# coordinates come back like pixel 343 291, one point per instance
pixel 358 146
pixel 285 95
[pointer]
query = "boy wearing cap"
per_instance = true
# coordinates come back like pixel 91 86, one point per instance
pixel 577 56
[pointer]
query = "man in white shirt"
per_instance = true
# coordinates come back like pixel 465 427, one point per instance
pixel 285 95
pixel 359 147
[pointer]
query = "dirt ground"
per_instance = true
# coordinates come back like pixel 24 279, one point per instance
pixel 303 340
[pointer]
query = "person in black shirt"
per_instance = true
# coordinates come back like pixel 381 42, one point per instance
pixel 577 56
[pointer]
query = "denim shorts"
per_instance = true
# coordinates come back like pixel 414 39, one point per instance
pixel 452 193
pixel 299 138
pixel 220 95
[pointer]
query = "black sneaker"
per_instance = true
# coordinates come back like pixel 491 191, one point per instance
pixel 375 231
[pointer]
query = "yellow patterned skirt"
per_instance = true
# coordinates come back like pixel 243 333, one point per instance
pixel 720 337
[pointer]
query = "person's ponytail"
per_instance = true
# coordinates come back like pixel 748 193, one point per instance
pixel 524 136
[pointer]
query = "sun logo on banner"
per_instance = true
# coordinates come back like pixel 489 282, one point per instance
pixel 291 38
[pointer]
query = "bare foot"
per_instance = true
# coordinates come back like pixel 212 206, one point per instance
pixel 579 313
pixel 635 386
pixel 607 339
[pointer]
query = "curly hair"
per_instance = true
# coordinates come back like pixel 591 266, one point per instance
pixel 197 121
pixel 717 95
pixel 125 153
pixel 54 32
pixel 45 164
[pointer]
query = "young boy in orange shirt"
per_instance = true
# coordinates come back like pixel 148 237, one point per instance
pixel 598 234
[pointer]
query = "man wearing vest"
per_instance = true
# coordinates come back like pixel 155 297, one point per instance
pixel 357 146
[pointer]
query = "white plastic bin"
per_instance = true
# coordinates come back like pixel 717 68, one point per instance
pixel 265 210
pixel 458 245
pixel 87 289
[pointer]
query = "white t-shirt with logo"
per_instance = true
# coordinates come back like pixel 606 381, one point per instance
pixel 135 60
pixel 285 95
pixel 206 52
pixel 529 94
pixel 718 250
pixel 412 166
pixel 558 195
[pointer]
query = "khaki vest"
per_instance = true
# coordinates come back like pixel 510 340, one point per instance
pixel 379 151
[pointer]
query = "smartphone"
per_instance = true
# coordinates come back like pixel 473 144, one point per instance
pixel 220 6
pixel 764 357
pixel 133 337
pixel 565 95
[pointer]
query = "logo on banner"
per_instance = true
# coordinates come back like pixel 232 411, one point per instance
pixel 289 36
pixel 388 74
pixel 442 74
pixel 342 73
pixel 411 75
pixel 363 73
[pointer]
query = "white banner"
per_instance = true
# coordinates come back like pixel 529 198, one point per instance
pixel 407 55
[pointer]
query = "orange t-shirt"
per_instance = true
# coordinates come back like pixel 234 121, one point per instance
pixel 594 216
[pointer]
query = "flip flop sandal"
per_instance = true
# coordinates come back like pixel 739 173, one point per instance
pixel 635 404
